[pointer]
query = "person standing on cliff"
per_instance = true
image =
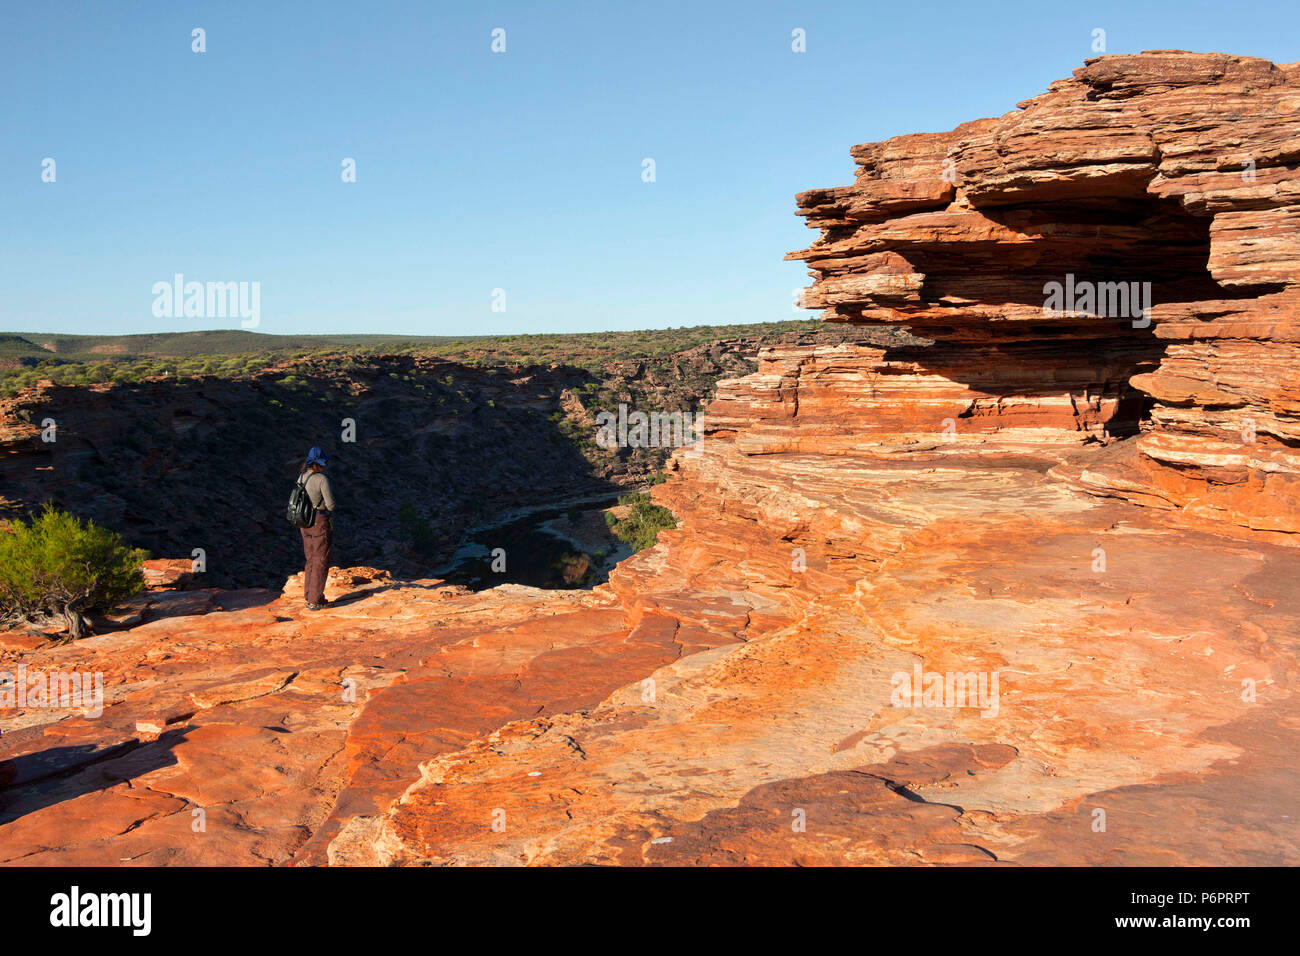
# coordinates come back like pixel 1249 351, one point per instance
pixel 318 539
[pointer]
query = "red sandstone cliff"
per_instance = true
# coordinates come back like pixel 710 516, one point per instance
pixel 1170 168
pixel 1063 502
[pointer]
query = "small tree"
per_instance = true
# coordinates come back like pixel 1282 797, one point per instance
pixel 644 519
pixel 60 567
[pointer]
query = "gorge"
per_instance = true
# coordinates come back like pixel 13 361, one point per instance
pixel 424 448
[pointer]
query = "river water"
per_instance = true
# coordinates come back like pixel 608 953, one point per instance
pixel 560 547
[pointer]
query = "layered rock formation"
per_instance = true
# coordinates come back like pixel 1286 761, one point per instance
pixel 1173 169
pixel 996 502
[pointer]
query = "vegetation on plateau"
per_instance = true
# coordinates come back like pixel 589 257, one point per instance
pixel 57 568
pixel 27 358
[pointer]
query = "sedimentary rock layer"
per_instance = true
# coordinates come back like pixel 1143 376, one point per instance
pixel 1168 168
pixel 1125 650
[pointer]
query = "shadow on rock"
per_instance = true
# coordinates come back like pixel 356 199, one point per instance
pixel 45 778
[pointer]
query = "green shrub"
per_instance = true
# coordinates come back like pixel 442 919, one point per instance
pixel 59 567
pixel 644 520
pixel 423 540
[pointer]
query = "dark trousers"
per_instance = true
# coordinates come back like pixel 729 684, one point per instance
pixel 317 543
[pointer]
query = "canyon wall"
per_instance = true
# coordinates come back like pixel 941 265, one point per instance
pixel 436 448
pixel 208 463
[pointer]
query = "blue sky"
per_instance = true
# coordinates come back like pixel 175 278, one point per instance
pixel 476 170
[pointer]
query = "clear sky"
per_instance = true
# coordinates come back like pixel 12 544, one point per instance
pixel 476 170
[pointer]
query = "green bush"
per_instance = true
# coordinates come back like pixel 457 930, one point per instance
pixel 60 567
pixel 423 540
pixel 644 520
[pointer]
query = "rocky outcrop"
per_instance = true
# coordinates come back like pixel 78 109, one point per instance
pixel 1171 170
pixel 1134 674
pixel 938 600
pixel 968 503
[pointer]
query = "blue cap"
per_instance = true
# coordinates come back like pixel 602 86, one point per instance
pixel 316 456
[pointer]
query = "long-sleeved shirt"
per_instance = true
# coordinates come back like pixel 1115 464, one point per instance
pixel 318 490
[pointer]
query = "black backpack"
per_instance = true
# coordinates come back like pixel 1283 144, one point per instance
pixel 301 513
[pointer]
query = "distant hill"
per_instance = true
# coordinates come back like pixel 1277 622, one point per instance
pixel 75 348
pixel 14 346
pixel 26 357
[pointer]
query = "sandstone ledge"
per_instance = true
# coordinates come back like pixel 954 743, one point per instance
pixel 1120 690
